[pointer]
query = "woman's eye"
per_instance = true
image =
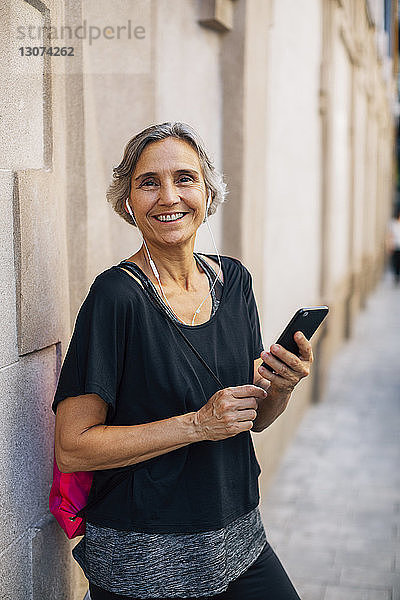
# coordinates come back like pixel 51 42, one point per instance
pixel 152 182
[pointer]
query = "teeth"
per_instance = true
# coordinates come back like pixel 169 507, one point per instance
pixel 170 217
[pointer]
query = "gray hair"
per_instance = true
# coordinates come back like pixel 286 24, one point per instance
pixel 120 187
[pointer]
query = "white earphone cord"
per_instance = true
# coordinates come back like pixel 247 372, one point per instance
pixel 156 274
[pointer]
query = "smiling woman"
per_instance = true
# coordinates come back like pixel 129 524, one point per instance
pixel 184 521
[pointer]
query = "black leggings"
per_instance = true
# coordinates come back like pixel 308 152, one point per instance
pixel 265 579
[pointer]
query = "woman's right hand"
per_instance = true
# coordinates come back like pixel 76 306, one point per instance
pixel 229 412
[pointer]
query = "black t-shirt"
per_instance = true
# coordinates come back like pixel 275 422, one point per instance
pixel 125 349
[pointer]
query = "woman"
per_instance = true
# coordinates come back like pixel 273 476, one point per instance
pixel 132 396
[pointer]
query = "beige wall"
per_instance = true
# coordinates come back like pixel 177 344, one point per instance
pixel 290 209
pixel 294 101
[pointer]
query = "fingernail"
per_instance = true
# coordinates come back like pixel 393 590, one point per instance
pixel 275 347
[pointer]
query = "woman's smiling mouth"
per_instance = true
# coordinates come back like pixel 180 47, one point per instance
pixel 170 217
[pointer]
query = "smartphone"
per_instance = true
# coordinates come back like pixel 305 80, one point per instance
pixel 306 320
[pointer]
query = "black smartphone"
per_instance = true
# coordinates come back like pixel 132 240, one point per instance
pixel 306 320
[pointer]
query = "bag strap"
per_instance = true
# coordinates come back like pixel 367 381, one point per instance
pixel 113 484
pixel 107 488
pixel 201 359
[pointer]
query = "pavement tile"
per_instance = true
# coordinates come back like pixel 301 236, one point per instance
pixel 282 494
pixel 396 566
pixel 309 591
pixel 312 573
pixel 332 540
pixel 371 546
pixel 369 577
pixel 311 556
pixel 372 532
pixel 279 514
pixel 277 536
pixel 381 559
pixel 350 593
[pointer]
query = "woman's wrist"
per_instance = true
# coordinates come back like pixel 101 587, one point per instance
pixel 270 408
pixel 191 427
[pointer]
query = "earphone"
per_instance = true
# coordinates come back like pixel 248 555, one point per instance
pixel 152 264
pixel 154 268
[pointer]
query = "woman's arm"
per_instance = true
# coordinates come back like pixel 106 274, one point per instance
pixel 84 443
pixel 289 370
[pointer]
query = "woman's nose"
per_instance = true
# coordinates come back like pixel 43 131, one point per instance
pixel 168 194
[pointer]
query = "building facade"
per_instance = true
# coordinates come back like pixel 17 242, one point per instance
pixel 297 104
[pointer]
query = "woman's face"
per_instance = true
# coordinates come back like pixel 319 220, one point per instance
pixel 167 181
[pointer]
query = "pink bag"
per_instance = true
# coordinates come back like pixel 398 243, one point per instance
pixel 68 495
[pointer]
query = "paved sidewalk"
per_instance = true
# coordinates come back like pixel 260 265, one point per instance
pixel 332 512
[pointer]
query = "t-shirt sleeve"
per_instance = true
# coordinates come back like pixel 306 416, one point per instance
pixel 258 345
pixel 94 360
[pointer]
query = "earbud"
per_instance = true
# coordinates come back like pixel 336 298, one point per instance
pixel 130 210
pixel 207 205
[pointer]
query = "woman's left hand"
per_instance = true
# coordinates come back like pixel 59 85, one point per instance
pixel 288 368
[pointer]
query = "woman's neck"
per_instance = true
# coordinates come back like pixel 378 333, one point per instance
pixel 177 268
